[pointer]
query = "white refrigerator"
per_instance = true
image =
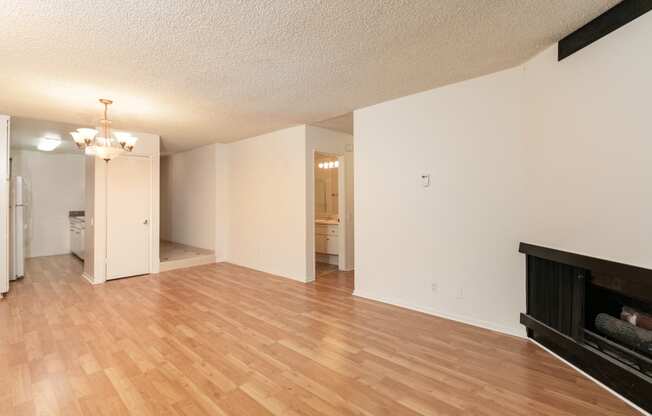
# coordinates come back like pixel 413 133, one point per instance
pixel 18 208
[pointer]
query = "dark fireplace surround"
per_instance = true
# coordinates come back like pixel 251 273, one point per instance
pixel 569 299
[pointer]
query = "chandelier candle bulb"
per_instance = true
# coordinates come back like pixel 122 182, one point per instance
pixel 77 137
pixel 126 140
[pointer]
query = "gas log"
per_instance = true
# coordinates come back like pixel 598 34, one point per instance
pixel 636 317
pixel 637 338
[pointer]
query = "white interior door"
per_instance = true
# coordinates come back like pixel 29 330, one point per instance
pixel 129 193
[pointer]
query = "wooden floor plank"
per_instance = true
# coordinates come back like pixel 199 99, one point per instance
pixel 225 340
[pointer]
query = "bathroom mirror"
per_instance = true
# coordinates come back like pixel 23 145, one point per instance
pixel 326 183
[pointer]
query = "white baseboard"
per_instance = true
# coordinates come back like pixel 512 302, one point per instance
pixel 90 279
pixel 504 329
pixel 590 378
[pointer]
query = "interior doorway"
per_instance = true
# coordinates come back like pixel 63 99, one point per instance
pixel 46 195
pixel 187 210
pixel 332 206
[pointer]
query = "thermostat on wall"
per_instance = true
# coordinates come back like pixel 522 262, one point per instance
pixel 425 179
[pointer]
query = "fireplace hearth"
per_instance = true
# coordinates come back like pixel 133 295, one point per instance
pixel 596 314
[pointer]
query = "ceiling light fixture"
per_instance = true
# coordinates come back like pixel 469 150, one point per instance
pixel 105 147
pixel 48 144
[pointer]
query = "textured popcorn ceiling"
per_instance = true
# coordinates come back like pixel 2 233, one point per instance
pixel 198 72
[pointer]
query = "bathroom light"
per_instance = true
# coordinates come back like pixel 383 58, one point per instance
pixel 329 165
pixel 48 144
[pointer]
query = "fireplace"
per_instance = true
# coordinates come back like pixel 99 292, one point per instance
pixel 594 313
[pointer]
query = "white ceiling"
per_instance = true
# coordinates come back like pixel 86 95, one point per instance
pixel 198 72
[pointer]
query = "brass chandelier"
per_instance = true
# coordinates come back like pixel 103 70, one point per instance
pixel 106 146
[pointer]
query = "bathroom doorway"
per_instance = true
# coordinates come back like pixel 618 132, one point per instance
pixel 333 241
pixel 327 219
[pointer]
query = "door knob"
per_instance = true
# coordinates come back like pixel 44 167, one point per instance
pixel 146 222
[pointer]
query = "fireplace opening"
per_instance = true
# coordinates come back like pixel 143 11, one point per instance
pixel 595 313
pixel 619 326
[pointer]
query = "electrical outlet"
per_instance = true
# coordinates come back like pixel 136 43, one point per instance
pixel 435 287
pixel 460 293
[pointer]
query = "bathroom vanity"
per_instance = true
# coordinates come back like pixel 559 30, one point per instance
pixel 326 237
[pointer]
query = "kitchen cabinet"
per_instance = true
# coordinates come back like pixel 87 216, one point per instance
pixel 77 236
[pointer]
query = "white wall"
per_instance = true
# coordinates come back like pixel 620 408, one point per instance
pixel 267 203
pixel 555 153
pixel 56 183
pixel 591 170
pixel 461 233
pixel 221 200
pixel 252 200
pixel 188 197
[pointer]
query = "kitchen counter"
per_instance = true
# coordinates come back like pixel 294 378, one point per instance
pixel 327 222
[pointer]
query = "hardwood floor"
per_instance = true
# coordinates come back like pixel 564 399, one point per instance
pixel 324 268
pixel 170 251
pixel 329 276
pixel 224 340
